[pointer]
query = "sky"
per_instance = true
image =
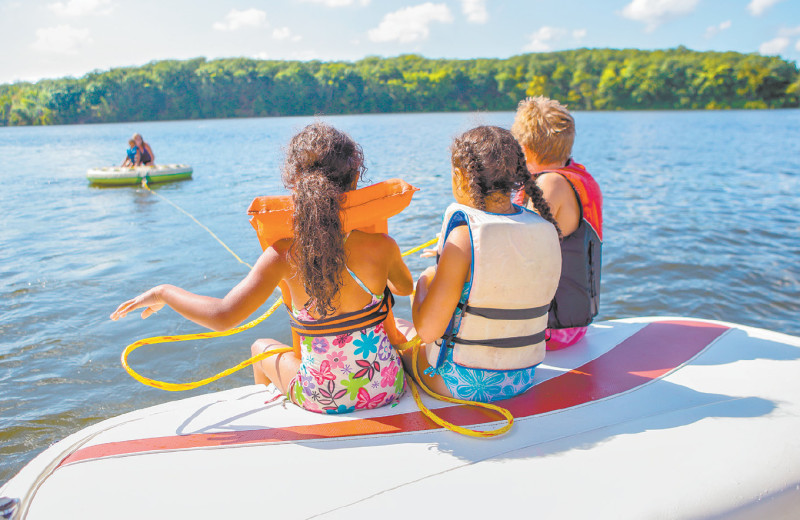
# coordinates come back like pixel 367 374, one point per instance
pixel 57 38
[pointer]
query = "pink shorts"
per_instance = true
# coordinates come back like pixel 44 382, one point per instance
pixel 561 338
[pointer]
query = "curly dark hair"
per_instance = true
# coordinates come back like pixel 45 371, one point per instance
pixel 493 162
pixel 322 163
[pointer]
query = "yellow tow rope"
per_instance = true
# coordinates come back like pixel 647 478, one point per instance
pixel 414 344
pixel 179 387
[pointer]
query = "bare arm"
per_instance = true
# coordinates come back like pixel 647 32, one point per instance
pixel 400 281
pixel 152 155
pixel 215 313
pixel 439 288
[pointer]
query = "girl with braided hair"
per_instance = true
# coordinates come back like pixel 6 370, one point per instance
pixel 327 277
pixel 481 311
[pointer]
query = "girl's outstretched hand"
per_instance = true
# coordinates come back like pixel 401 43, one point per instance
pixel 150 300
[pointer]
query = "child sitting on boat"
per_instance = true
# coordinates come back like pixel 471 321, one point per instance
pixel 131 155
pixel 146 156
pixel 546 131
pixel 481 311
pixel 337 285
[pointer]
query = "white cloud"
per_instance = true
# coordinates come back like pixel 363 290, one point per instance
pixel 236 19
pixel 757 7
pixel 790 31
pixel 281 33
pixel 716 29
pixel 774 47
pixel 81 7
pixel 284 33
pixel 475 10
pixel 544 39
pixel 336 3
pixel 410 24
pixel 261 55
pixel 656 12
pixel 62 39
pixel 781 42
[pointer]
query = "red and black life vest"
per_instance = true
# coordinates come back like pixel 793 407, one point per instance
pixel 577 298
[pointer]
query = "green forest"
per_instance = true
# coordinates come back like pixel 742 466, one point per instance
pixel 583 79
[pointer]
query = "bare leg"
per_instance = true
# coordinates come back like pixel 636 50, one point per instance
pixel 435 383
pixel 408 330
pixel 278 369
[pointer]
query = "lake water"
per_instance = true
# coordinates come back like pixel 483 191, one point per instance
pixel 702 219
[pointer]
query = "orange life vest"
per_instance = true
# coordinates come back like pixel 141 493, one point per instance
pixel 367 209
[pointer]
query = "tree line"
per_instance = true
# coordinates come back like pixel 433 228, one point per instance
pixel 583 79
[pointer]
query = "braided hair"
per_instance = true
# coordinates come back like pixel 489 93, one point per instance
pixel 321 164
pixel 493 162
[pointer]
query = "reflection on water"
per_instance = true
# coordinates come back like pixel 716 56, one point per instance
pixel 702 219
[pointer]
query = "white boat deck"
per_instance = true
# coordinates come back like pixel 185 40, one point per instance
pixel 644 418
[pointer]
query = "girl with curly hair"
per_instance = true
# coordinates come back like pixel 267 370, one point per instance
pixel 328 275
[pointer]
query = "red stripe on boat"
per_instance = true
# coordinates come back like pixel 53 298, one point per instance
pixel 650 353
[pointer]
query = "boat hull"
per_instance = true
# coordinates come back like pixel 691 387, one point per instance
pixel 644 418
pixel 121 176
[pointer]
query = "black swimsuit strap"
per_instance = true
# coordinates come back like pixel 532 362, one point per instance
pixel 345 323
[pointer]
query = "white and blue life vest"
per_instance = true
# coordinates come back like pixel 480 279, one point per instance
pixel 516 264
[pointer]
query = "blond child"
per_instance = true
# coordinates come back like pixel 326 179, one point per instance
pixel 546 131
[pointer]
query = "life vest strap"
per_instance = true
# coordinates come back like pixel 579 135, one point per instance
pixel 507 314
pixel 518 341
pixel 450 339
pixel 345 323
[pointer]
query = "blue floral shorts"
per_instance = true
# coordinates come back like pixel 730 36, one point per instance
pixel 476 384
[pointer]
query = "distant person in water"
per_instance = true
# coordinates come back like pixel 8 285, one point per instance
pixel 131 154
pixel 546 131
pixel 146 155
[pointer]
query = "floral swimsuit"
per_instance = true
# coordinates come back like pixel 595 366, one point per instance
pixel 350 371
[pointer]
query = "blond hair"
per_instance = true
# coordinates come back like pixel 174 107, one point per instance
pixel 545 128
